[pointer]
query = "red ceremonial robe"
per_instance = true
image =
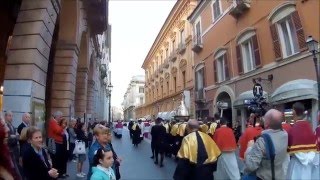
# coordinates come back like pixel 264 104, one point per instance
pixel 286 127
pixel 301 138
pixel 249 134
pixel 225 139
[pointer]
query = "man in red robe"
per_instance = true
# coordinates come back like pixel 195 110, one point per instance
pixel 227 167
pixel 304 163
pixel 249 134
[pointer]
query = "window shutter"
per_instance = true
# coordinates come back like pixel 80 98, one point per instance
pixel 215 71
pixel 256 51
pixel 203 72
pixel 276 42
pixel 226 66
pixel 299 30
pixel 239 59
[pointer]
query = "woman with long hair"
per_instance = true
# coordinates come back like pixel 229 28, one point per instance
pixel 82 135
pixel 7 171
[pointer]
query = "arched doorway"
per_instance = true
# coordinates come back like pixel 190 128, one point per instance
pixel 8 15
pixel 224 106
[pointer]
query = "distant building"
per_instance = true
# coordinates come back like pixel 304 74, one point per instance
pixel 133 97
pixel 117 113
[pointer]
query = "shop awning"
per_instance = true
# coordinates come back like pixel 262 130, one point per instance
pixel 245 96
pixel 296 90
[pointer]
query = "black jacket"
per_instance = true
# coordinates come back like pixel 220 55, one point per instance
pixel 34 168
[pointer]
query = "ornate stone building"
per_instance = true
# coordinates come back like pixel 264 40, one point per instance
pixel 134 97
pixel 54 55
pixel 169 64
pixel 239 43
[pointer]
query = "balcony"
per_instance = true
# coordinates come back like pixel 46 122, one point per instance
pixel 239 7
pixel 181 48
pixel 97 15
pixel 200 95
pixel 197 44
pixel 173 56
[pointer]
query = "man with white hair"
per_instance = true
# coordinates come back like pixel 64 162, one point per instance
pixel 268 157
pixel 25 122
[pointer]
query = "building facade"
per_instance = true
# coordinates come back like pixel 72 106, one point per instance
pixel 54 55
pixel 238 42
pixel 169 64
pixel 133 97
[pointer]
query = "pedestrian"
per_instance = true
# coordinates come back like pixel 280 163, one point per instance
pixel 118 129
pixel 213 125
pixel 72 138
pixel 13 142
pixel 22 133
pixel 102 165
pixel 117 160
pixel 141 126
pixel 197 155
pixel 130 129
pixel 36 161
pixel 317 132
pixel 227 166
pixel 65 150
pixel 55 133
pixel 102 135
pixel 249 134
pixel 304 163
pixel 7 169
pixel 82 135
pixel 136 134
pixel 272 145
pixel 158 134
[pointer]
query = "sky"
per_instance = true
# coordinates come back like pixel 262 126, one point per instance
pixel 135 26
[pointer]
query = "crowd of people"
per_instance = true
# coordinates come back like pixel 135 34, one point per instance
pixel 30 158
pixel 269 147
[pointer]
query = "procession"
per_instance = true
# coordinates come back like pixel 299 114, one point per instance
pixel 159 90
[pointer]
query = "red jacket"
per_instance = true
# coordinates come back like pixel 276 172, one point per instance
pixel 225 139
pixel 286 127
pixel 249 134
pixel 55 131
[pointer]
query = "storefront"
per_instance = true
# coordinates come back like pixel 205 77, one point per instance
pixel 302 90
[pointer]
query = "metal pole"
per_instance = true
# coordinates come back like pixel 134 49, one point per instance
pixel 109 120
pixel 315 59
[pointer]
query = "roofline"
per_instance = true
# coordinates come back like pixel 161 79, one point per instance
pixel 195 10
pixel 163 28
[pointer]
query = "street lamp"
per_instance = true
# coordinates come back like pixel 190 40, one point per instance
pixel 313 48
pixel 109 88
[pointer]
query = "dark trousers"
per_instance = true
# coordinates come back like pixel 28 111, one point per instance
pixel 71 148
pixel 152 149
pixel 58 159
pixel 158 151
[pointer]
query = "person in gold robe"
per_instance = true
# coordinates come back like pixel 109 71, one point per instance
pixel 197 155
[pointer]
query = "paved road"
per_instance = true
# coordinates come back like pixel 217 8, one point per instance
pixel 136 164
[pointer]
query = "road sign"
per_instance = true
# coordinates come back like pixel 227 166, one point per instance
pixel 257 90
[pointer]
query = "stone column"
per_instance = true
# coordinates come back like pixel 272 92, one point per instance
pixel 90 97
pixel 81 92
pixel 27 64
pixel 64 78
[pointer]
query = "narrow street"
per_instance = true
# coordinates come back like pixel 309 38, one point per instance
pixel 136 164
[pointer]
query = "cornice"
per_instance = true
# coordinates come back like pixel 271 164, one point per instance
pixel 170 22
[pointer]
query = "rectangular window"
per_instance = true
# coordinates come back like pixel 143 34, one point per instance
pixel 288 37
pixel 184 79
pixel 141 100
pixel 216 9
pixel 248 56
pixel 182 38
pixel 175 84
pixel 198 33
pixel 199 79
pixel 141 90
pixel 173 45
pixel 221 69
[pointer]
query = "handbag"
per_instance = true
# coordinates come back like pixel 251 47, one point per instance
pixel 80 147
pixel 270 153
pixel 51 146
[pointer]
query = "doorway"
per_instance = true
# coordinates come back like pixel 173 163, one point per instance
pixel 226 110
